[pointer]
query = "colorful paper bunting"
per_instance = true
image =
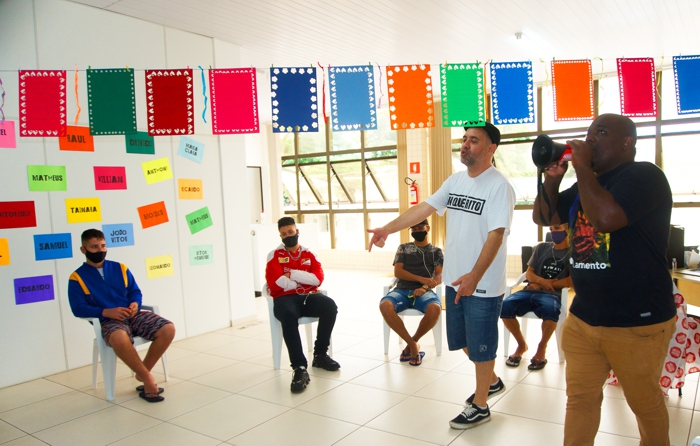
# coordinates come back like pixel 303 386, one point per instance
pixel 352 98
pixel 686 72
pixel 234 101
pixel 462 94
pixel 572 84
pixel 169 96
pixel 410 96
pixel 512 92
pixel 42 103
pixel 294 100
pixel 637 87
pixel 111 101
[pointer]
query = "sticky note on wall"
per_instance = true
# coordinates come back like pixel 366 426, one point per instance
pixel 191 149
pixel 33 289
pixel 53 246
pixel 199 220
pixel 153 214
pixel 8 139
pixel 161 266
pixel 118 235
pixel 83 210
pixel 157 170
pixel 5 252
pixel 17 214
pixel 43 178
pixel 189 189
pixel 77 139
pixel 201 255
pixel 141 143
pixel 110 177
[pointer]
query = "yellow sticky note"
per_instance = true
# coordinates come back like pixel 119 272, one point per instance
pixel 161 266
pixel 83 210
pixel 4 252
pixel 157 170
pixel 188 189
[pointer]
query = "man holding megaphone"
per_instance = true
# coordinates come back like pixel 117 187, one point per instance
pixel 623 316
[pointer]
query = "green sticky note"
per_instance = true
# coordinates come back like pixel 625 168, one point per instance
pixel 201 255
pixel 111 101
pixel 46 178
pixel 199 220
pixel 140 142
pixel 462 87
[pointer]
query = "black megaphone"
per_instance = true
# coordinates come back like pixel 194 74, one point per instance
pixel 545 151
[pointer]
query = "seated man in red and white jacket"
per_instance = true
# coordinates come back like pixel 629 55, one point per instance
pixel 293 275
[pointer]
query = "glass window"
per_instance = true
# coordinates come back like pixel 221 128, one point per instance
pixel 382 184
pixel 682 166
pixel 346 185
pixel 349 231
pixel 523 231
pixel 383 136
pixel 289 188
pixel 287 143
pixel 688 218
pixel 345 141
pixel 379 219
pixel 313 142
pixel 324 232
pixel 313 186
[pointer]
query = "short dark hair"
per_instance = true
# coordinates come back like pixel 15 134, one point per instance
pixel 285 221
pixel 490 129
pixel 90 234
pixel 421 223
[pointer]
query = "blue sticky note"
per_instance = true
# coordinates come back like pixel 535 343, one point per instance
pixel 512 92
pixel 118 235
pixel 686 71
pixel 52 246
pixel 352 98
pixel 191 149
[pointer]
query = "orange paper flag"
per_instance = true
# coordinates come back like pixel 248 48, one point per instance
pixel 572 83
pixel 410 96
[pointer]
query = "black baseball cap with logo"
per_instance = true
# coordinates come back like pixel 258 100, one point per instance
pixel 490 130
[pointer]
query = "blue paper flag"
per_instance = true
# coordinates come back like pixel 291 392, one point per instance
pixel 686 72
pixel 352 98
pixel 53 246
pixel 294 100
pixel 512 92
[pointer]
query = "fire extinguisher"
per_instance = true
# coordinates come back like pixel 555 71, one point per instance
pixel 412 191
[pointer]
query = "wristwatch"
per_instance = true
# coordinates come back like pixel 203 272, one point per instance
pixel 426 287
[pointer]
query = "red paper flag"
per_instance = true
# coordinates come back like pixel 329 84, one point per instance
pixel 170 102
pixel 234 102
pixel 410 96
pixel 572 84
pixel 637 79
pixel 42 103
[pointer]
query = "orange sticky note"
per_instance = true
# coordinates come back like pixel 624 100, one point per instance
pixel 188 189
pixel 4 252
pixel 77 139
pixel 153 214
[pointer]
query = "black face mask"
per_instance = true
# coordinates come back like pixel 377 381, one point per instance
pixel 95 257
pixel 419 236
pixel 291 241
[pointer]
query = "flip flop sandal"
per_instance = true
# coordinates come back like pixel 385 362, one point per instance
pixel 417 360
pixel 513 361
pixel 537 364
pixel 142 389
pixel 151 397
pixel 405 355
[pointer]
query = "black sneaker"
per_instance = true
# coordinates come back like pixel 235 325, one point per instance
pixel 471 416
pixel 494 389
pixel 300 378
pixel 325 362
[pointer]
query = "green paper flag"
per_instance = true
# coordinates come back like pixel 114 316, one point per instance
pixel 462 94
pixel 111 101
pixel 46 178
pixel 199 220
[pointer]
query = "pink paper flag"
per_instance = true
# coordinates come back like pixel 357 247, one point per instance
pixel 42 103
pixel 637 79
pixel 7 135
pixel 234 102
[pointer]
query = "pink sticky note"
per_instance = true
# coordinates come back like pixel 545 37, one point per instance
pixel 7 135
pixel 110 178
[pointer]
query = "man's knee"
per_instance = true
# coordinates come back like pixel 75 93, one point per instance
pixel 433 309
pixel 386 305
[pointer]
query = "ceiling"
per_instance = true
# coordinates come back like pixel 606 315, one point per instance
pixel 349 32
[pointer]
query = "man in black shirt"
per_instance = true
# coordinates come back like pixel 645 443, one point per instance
pixel 623 315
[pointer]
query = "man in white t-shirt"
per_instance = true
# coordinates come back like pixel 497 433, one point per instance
pixel 479 204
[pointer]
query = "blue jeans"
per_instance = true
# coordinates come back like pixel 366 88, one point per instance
pixel 402 302
pixel 473 323
pixel 546 306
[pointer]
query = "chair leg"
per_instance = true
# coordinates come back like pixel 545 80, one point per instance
pixel 109 372
pixel 387 332
pixel 276 336
pixel 558 332
pixel 506 340
pixel 437 334
pixel 309 337
pixel 95 361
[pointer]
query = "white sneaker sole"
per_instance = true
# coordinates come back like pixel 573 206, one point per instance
pixel 461 426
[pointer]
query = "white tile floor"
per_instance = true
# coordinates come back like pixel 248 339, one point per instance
pixel 223 390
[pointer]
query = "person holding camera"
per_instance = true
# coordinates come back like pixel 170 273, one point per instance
pixel 623 316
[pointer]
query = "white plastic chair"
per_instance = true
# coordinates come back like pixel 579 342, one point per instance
pixel 276 330
pixel 100 349
pixel 531 315
pixel 437 329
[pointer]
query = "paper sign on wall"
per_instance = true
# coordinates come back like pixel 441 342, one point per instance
pixel 46 178
pixel 53 246
pixel 157 170
pixel 161 266
pixel 118 235
pixel 5 252
pixel 110 177
pixel 17 214
pixel 189 189
pixel 191 149
pixel 33 289
pixel 77 139
pixel 83 210
pixel 8 139
pixel 199 220
pixel 140 142
pixel 153 214
pixel 201 255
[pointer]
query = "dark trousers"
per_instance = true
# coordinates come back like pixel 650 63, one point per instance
pixel 288 309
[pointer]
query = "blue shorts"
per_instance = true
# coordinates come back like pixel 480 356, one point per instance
pixel 401 301
pixel 473 323
pixel 546 306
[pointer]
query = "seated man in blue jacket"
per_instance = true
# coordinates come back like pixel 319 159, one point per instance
pixel 107 290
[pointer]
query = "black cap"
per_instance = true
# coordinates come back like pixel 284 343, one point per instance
pixel 490 129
